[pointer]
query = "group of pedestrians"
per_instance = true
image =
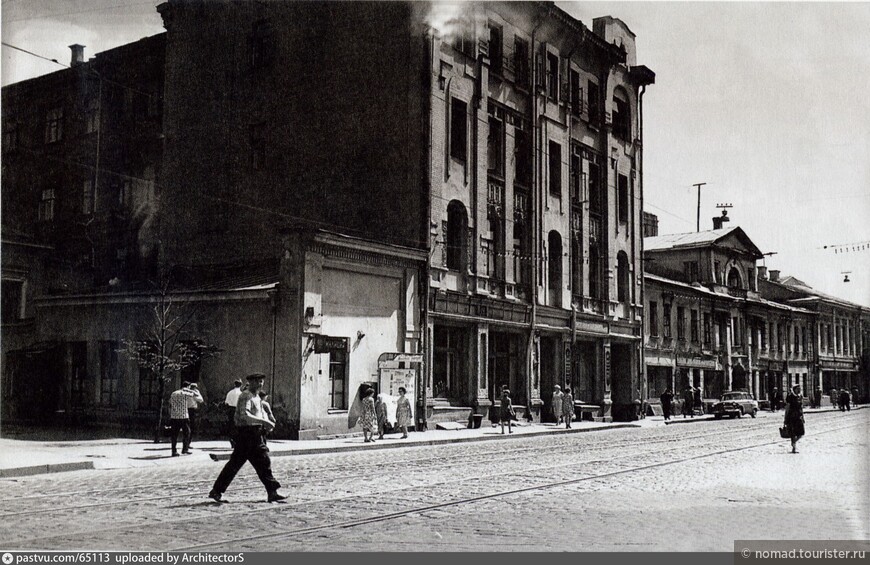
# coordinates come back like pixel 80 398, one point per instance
pixel 692 400
pixel 563 406
pixel 844 399
pixel 374 414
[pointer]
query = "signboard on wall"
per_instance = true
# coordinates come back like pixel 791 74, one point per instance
pixel 390 381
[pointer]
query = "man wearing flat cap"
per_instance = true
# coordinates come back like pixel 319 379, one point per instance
pixel 251 421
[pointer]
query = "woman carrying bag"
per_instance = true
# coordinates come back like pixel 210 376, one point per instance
pixel 794 417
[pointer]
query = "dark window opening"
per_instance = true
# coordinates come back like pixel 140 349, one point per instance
pixel 594 272
pixel 594 103
pixel 576 93
pixel 653 319
pixel 522 157
pixel 54 125
pixel 108 373
pixel 458 130
pixel 495 147
pixel 555 166
pixel 623 278
pixel 621 118
pixel 521 62
pixel 623 199
pixel 666 320
pixel 594 188
pixel 457 223
pixel 552 76
pixel 694 327
pixel 149 394
pixel 338 378
pixel 496 49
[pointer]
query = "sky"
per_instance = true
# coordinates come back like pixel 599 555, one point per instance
pixel 766 103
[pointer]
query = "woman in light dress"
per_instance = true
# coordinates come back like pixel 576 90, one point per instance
pixel 369 418
pixel 403 412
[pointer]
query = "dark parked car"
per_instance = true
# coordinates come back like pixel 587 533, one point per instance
pixel 735 404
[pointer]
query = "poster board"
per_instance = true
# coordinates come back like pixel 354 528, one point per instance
pixel 390 381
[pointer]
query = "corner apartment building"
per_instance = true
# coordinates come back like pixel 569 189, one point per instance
pixel 535 186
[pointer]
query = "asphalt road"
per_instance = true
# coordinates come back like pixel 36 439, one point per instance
pixel 680 487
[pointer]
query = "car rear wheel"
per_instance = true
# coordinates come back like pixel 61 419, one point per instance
pixel 718 416
pixel 754 412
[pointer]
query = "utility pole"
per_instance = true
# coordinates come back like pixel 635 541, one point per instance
pixel 699 185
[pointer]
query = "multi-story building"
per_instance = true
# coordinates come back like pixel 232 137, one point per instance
pixel 534 216
pixel 715 320
pixel 81 154
pixel 349 190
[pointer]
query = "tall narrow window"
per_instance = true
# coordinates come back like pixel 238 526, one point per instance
pixel 594 271
pixel 594 103
pixel 553 76
pixel 623 278
pixel 666 320
pixel 681 323
pixel 621 116
pixel 623 199
pixel 149 398
pixel 458 129
pixel 694 327
pixel 576 178
pixel 338 379
pixel 576 92
pixel 708 338
pixel 495 147
pixel 54 125
pixel 108 372
pixel 521 62
pixel 496 48
pixel 555 168
pixel 46 205
pixel 522 157
pixel 457 223
pixel 10 137
pixel 594 188
pixel 653 319
pixel 554 267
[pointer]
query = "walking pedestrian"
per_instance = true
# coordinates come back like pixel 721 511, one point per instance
pixel 834 395
pixel 817 397
pixel 567 406
pixel 688 401
pixel 667 399
pixel 230 402
pixel 506 410
pixel 180 402
pixel 845 400
pixel 403 413
pixel 369 418
pixel 855 398
pixel 192 414
pixel 794 416
pixel 267 411
pixel 381 413
pixel 779 401
pixel 698 401
pixel 557 404
pixel 250 421
pixel 771 399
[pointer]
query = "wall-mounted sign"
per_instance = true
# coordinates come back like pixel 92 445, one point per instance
pixel 325 343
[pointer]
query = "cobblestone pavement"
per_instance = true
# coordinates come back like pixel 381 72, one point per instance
pixel 690 487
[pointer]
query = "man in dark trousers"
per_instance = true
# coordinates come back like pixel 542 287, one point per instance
pixel 688 402
pixel 667 398
pixel 771 399
pixel 817 397
pixel 251 422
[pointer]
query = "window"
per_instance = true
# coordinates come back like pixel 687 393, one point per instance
pixel 521 62
pixel 623 278
pixel 763 333
pixel 522 264
pixel 46 205
pixel 734 278
pixel 552 76
pixel 694 327
pixel 495 147
pixel 458 129
pixel 496 49
pixel 149 397
pixel 79 373
pixel 681 323
pixel 262 43
pixel 576 92
pixel 736 330
pixel 593 102
pixel 338 378
pixel 88 197
pixel 623 199
pixel 555 162
pixel 10 137
pixel 653 319
pixel 708 338
pixel 576 264
pixel 463 40
pixel 621 116
pixel 797 340
pixel 92 116
pixel 54 125
pixel 522 157
pixel 690 269
pixel 108 373
pixel 554 268
pixel 12 300
pixel 594 188
pixel 576 178
pixel 594 271
pixel 666 320
pixel 457 223
pixel 717 272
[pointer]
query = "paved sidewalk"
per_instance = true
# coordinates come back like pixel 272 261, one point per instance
pixel 24 457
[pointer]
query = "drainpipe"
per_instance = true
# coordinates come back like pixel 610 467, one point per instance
pixel 273 298
pixel 427 187
pixel 536 223
pixel 644 391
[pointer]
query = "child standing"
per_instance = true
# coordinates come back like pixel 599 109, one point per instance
pixel 567 406
pixel 403 412
pixel 506 412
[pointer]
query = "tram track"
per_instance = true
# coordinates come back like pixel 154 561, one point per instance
pixel 502 475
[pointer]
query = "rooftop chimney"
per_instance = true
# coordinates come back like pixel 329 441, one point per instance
pixel 718 221
pixel 77 54
pixel 762 273
pixel 774 275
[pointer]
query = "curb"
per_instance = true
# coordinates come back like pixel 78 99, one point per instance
pixel 399 445
pixel 706 418
pixel 48 468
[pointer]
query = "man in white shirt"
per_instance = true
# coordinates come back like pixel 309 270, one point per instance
pixel 231 400
pixel 180 402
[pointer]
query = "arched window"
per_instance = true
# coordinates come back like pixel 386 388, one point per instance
pixel 554 267
pixel 623 293
pixel 734 278
pixel 621 115
pixel 457 226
